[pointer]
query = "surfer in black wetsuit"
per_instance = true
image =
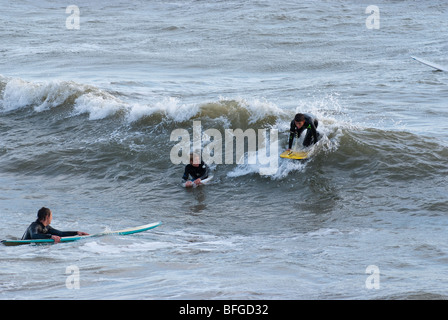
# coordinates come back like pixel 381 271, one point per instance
pixel 299 124
pixel 40 229
pixel 197 170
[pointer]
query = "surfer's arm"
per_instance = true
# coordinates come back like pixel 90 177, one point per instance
pixel 53 231
pixel 188 183
pixel 291 139
pixel 203 176
pixel 57 238
pixel 292 133
pixel 186 174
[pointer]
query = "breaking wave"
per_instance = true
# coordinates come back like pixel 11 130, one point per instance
pixel 119 130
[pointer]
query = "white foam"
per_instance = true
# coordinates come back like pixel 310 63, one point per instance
pixel 98 106
pixel 285 167
pixel 19 93
pixel 169 106
pixel 260 108
pixel 322 232
pixel 102 247
pixel 97 103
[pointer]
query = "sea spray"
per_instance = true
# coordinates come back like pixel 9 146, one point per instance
pixel 213 154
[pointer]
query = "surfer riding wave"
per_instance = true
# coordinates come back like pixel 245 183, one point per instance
pixel 299 124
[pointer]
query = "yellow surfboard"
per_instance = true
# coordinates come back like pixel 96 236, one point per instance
pixel 296 155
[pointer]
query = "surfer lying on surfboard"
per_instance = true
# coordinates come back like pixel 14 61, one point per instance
pixel 197 169
pixel 41 229
pixel 299 124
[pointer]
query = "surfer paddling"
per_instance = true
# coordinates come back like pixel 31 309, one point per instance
pixel 41 229
pixel 197 170
pixel 298 125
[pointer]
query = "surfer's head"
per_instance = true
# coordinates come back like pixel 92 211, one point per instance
pixel 299 120
pixel 195 159
pixel 44 215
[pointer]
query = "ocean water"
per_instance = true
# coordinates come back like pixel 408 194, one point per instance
pixel 86 118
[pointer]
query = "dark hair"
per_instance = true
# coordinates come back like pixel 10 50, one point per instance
pixel 194 154
pixel 43 213
pixel 299 117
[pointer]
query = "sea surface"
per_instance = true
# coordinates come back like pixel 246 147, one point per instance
pixel 88 108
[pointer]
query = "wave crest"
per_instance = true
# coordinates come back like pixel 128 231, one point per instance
pixel 81 99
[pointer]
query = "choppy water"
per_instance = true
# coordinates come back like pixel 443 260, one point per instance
pixel 86 117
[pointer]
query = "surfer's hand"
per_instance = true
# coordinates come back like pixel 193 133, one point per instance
pixel 188 183
pixel 197 181
pixel 56 239
pixel 80 233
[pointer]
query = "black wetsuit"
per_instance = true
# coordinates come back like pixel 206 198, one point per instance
pixel 37 230
pixel 312 136
pixel 200 172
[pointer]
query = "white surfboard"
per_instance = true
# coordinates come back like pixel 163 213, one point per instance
pixel 76 238
pixel 431 64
